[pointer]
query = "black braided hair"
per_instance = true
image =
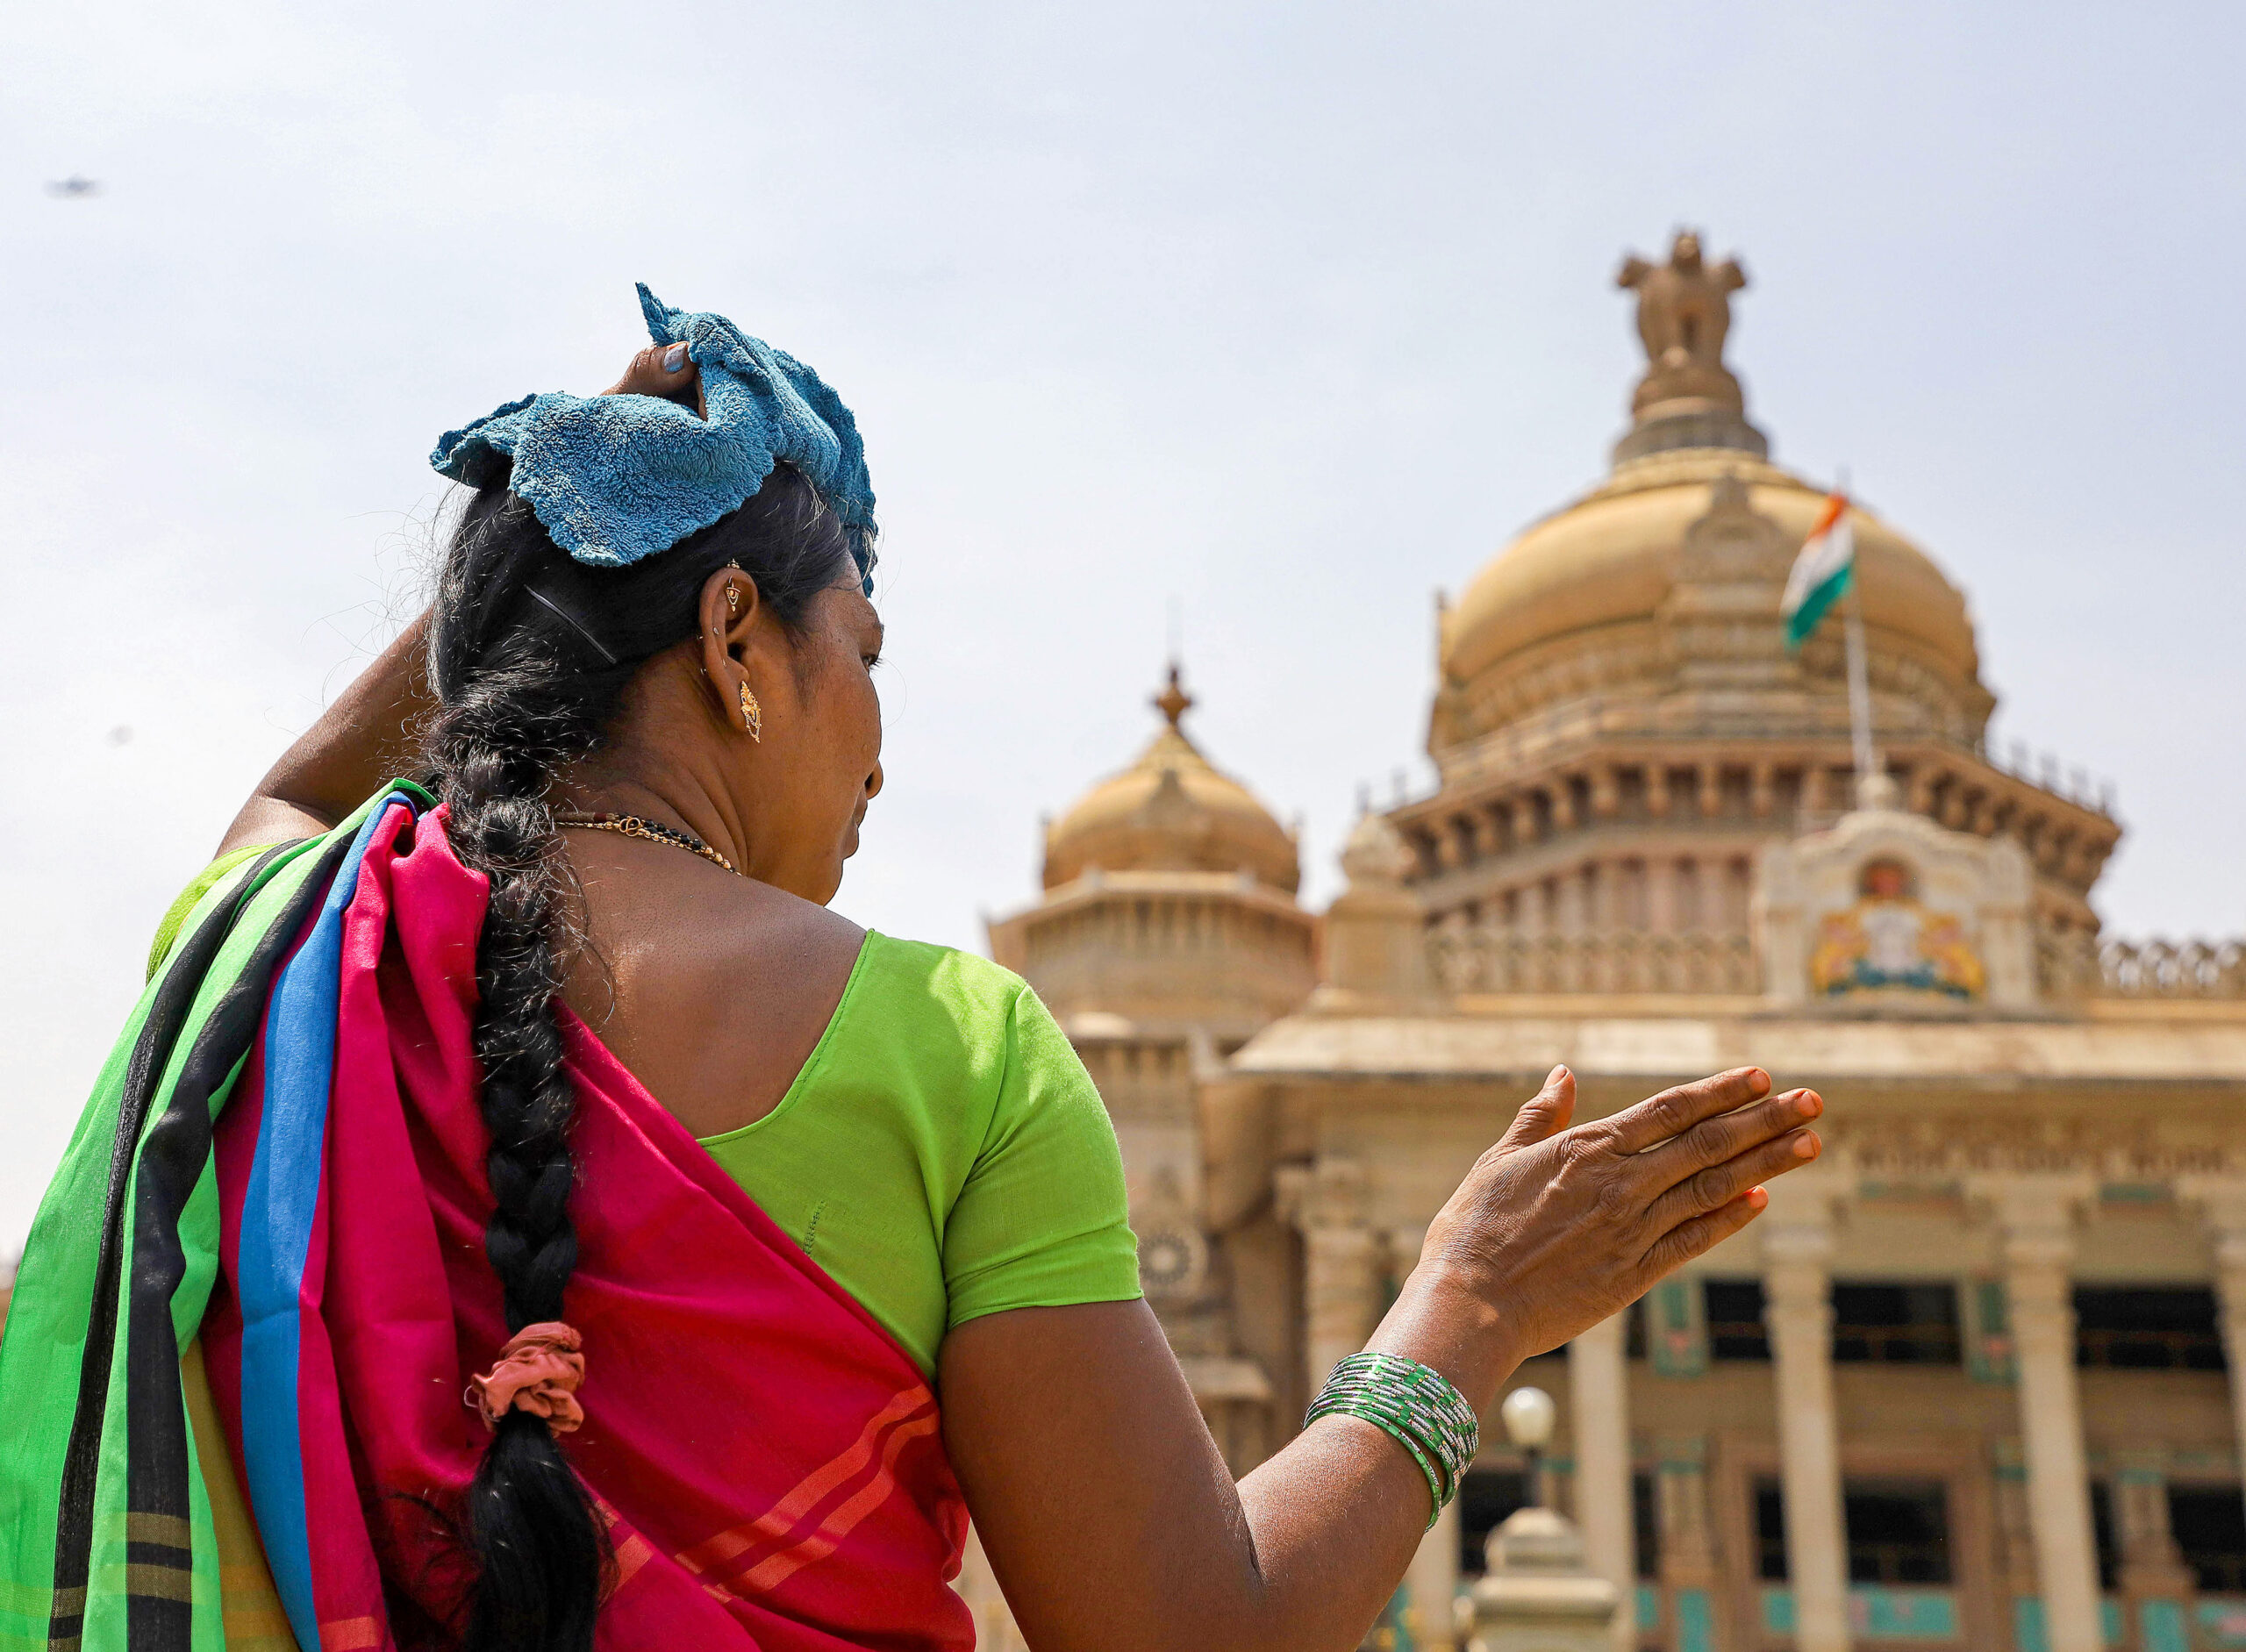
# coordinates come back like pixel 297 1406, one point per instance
pixel 525 683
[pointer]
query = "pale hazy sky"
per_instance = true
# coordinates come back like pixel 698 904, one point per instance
pixel 1295 314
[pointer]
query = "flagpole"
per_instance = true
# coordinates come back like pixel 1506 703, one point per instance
pixel 1867 760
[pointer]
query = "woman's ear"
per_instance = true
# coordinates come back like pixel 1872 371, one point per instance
pixel 730 609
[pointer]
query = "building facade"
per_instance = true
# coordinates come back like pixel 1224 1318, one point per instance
pixel 1977 1379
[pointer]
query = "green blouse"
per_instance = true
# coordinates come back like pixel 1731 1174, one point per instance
pixel 943 1154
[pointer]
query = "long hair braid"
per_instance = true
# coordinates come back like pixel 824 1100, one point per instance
pixel 530 654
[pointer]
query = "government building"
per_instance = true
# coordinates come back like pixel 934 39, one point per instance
pixel 1974 1379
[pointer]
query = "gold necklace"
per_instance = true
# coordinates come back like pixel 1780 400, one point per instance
pixel 633 826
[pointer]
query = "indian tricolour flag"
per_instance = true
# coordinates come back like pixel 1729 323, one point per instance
pixel 1821 572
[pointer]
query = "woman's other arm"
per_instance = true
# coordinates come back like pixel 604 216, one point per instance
pixel 1111 1519
pixel 365 738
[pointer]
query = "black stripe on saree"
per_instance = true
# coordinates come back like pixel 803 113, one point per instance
pixel 158 1570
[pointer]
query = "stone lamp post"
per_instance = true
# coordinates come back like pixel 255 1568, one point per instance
pixel 1538 1595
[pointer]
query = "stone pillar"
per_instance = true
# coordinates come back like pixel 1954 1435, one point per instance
pixel 2151 1563
pixel 976 1584
pixel 1431 1586
pixel 1657 790
pixel 1341 1256
pixel 1661 894
pixel 1688 1550
pixel 1606 791
pixel 1598 1410
pixel 1816 788
pixel 2036 1220
pixel 1574 916
pixel 1763 790
pixel 2015 1539
pixel 2222 1207
pixel 1797 1249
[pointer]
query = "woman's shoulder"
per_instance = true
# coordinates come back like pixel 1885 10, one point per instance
pixel 937 997
pixel 945 976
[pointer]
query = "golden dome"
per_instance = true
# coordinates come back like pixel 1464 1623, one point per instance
pixel 1609 558
pixel 1577 603
pixel 1652 587
pixel 1170 811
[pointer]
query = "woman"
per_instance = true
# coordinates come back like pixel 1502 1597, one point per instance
pixel 560 1067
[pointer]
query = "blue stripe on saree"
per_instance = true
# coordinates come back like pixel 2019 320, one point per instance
pixel 276 1224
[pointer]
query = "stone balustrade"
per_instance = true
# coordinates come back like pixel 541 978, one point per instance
pixel 2070 965
pixel 1484 960
pixel 2076 965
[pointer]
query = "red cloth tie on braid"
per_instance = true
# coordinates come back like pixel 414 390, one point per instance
pixel 538 1371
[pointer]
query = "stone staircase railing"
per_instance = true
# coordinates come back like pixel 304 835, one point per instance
pixel 1472 959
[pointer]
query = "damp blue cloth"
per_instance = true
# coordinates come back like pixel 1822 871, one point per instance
pixel 615 479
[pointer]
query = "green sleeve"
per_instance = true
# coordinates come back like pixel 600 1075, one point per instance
pixel 1042 1220
pixel 167 931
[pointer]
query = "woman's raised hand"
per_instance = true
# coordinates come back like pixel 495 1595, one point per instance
pixel 665 371
pixel 1556 1229
pixel 1102 1501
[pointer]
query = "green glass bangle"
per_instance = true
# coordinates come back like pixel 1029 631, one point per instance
pixel 1414 1405
pixel 1438 1498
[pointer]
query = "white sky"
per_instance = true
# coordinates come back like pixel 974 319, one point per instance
pixel 1293 312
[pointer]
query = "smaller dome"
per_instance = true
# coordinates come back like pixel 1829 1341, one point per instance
pixel 1171 811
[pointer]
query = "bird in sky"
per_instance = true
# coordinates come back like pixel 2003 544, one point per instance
pixel 74 189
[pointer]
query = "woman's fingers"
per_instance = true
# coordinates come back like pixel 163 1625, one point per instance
pixel 1714 1141
pixel 1674 1111
pixel 661 369
pixel 1703 1234
pixel 1718 1184
pixel 1545 1113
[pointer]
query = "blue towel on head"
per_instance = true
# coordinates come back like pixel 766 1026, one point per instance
pixel 615 479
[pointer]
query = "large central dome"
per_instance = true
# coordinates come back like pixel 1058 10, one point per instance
pixel 1658 589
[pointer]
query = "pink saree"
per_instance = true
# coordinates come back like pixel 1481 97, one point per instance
pixel 769 1460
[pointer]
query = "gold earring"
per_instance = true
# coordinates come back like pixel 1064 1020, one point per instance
pixel 752 715
pixel 733 601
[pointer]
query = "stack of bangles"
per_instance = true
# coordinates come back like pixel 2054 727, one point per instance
pixel 1415 1407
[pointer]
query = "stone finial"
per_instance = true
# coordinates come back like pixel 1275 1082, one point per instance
pixel 1878 793
pixel 1376 938
pixel 1375 855
pixel 1173 702
pixel 1688 397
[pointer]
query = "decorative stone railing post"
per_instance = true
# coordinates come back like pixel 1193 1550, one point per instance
pixel 1797 1238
